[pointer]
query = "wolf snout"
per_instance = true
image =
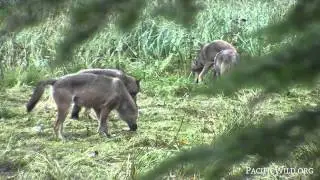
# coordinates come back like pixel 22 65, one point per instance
pixel 133 127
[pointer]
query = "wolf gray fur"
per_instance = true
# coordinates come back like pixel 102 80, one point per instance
pixel 99 92
pixel 224 61
pixel 132 84
pixel 205 57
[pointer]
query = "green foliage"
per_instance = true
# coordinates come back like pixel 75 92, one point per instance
pixel 171 86
pixel 10 79
pixel 27 13
pixel 23 76
pixel 6 113
pixel 152 39
pixel 168 125
pixel 272 138
pixel 278 49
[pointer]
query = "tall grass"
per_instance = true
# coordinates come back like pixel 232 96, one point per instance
pixel 156 47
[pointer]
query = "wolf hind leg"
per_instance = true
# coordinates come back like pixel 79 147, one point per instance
pixel 215 72
pixel 225 67
pixel 61 116
pixel 63 101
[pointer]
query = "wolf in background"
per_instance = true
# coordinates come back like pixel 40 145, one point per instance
pixel 205 57
pixel 224 61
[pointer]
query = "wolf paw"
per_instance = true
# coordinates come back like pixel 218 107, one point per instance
pixel 75 117
pixel 104 133
pixel 61 138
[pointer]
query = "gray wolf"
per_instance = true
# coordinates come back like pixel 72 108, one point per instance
pixel 205 57
pixel 99 92
pixel 131 83
pixel 224 61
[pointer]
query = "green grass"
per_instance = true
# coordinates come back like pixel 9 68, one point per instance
pixel 149 45
pixel 171 118
pixel 167 125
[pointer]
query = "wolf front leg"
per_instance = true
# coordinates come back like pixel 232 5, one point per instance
pixel 205 70
pixel 103 122
pixel 102 116
pixel 104 112
pixel 196 77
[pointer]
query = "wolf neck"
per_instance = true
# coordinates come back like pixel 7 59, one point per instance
pixel 202 58
pixel 126 101
pixel 127 107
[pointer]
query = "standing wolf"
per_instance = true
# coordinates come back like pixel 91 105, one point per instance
pixel 205 58
pixel 224 61
pixel 101 93
pixel 132 84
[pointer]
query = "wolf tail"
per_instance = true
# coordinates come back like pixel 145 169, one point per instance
pixel 37 93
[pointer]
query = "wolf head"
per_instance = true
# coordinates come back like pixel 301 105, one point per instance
pixel 196 66
pixel 127 109
pixel 130 116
